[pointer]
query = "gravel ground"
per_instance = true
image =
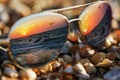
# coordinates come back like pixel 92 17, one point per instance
pixel 77 63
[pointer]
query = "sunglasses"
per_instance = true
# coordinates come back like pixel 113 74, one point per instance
pixel 38 39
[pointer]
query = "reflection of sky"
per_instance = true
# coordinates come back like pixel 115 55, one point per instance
pixel 91 17
pixel 37 23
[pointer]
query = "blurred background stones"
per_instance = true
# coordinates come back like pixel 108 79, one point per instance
pixel 100 65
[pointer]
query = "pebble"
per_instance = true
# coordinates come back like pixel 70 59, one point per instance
pixel 104 63
pixel 1 25
pixel 113 74
pixel 111 56
pixel 20 7
pixel 7 78
pixel 98 57
pixel 27 74
pixel 90 68
pixel 72 37
pixel 115 9
pixel 5 16
pixel 115 24
pixel 7 63
pixel 84 61
pixel 68 69
pixel 5 30
pixel 10 72
pixel 67 58
pixel 80 71
pixel 66 47
pixel 56 65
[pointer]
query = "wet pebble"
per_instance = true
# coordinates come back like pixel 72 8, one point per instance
pixel 27 74
pixel 10 72
pixel 113 74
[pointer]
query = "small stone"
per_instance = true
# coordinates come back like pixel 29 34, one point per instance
pixel 7 78
pixel 67 58
pixel 115 24
pixel 7 63
pixel 10 72
pixel 55 65
pixel 84 61
pixel 80 71
pixel 5 30
pixel 72 37
pixel 98 57
pixel 1 25
pixel 90 68
pixel 116 51
pixel 68 70
pixel 104 63
pixel 5 17
pixel 111 56
pixel 27 74
pixel 20 7
pixel 113 74
pixel 66 47
pixel 90 51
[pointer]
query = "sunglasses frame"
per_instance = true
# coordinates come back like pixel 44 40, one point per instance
pixel 78 33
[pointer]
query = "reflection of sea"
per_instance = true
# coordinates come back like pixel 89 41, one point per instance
pixel 53 39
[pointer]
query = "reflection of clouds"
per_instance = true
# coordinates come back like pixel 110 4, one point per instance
pixel 38 24
pixel 91 17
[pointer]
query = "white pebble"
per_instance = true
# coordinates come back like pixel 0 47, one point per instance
pixel 80 71
pixel 10 72
pixel 28 74
pixel 68 70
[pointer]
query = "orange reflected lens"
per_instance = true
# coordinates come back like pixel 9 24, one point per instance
pixel 95 23
pixel 36 39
